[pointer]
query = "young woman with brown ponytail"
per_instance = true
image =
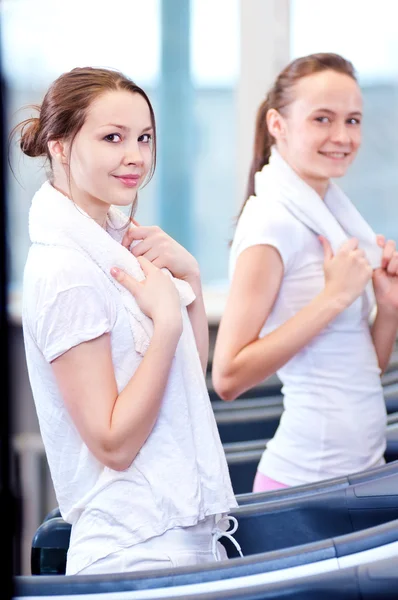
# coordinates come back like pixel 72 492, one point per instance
pixel 306 273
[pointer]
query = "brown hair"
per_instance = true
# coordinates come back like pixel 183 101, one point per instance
pixel 280 96
pixel 64 109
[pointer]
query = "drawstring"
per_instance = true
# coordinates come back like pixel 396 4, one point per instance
pixel 218 533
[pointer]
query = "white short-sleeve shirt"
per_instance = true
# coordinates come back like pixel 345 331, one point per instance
pixel 334 422
pixel 179 477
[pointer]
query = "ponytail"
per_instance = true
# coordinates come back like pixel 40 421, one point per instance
pixel 262 148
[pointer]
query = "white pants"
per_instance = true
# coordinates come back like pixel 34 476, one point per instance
pixel 181 546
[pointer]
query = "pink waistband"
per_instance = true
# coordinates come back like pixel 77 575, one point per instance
pixel 262 483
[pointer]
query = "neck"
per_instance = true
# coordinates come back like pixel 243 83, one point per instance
pixel 96 210
pixel 319 185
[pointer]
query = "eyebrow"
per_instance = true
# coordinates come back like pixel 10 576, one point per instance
pixel 124 128
pixel 331 112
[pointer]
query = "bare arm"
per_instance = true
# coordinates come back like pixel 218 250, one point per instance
pixel 385 284
pixel 115 425
pixel 241 360
pixel 384 334
pixel 198 317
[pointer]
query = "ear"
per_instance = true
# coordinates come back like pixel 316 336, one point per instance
pixel 276 124
pixel 59 151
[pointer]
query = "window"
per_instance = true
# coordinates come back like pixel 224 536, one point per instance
pixel 215 71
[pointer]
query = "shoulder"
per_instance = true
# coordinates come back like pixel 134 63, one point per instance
pixel 62 280
pixel 61 268
pixel 266 214
pixel 66 299
pixel 267 222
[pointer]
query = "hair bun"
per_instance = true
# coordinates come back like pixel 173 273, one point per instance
pixel 30 138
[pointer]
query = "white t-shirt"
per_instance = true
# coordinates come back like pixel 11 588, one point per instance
pixel 334 422
pixel 179 477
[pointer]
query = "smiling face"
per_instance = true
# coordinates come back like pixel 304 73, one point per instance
pixel 320 132
pixel 111 154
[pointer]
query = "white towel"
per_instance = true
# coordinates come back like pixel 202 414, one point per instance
pixel 335 217
pixel 54 220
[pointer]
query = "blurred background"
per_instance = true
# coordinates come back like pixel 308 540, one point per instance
pixel 206 66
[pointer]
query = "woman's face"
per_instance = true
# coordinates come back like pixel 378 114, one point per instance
pixel 112 153
pixel 320 134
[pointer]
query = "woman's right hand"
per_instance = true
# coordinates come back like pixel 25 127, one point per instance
pixel 347 272
pixel 156 295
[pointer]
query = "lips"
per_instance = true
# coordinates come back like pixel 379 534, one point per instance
pixel 128 180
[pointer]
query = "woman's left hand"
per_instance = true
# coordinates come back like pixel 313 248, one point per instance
pixel 162 251
pixel 385 278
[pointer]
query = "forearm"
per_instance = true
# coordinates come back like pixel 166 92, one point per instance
pixel 384 333
pixel 263 357
pixel 136 409
pixel 198 317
